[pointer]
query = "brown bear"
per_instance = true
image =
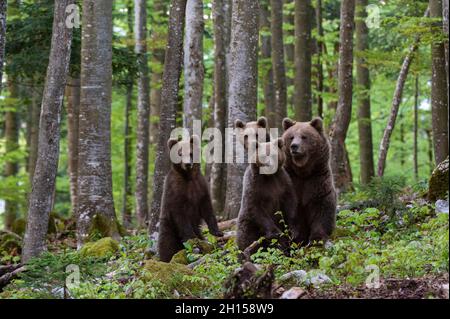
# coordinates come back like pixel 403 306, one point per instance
pixel 264 195
pixel 249 132
pixel 185 202
pixel 308 164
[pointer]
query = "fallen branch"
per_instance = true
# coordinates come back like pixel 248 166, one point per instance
pixel 8 277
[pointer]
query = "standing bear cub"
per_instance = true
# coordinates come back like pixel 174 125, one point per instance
pixel 185 201
pixel 308 164
pixel 264 195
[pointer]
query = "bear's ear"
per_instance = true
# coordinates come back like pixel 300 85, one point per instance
pixel 171 142
pixel 280 143
pixel 287 123
pixel 317 123
pixel 239 124
pixel 262 122
pixel 195 139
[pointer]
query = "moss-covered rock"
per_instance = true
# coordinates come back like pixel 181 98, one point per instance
pixel 439 182
pixel 103 248
pixel 174 276
pixel 203 246
pixel 19 226
pixel 180 258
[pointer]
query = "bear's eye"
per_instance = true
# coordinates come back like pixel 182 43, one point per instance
pixel 291 138
pixel 304 137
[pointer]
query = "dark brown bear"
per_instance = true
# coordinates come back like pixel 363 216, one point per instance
pixel 263 196
pixel 185 202
pixel 308 164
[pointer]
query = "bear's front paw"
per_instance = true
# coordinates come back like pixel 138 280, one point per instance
pixel 217 233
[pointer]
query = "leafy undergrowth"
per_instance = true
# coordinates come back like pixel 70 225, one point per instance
pixel 411 242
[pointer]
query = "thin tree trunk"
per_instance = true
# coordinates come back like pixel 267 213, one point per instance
pixel 445 27
pixel 96 214
pixel 279 68
pixel 41 198
pixel 266 55
pixel 127 204
pixel 221 40
pixel 170 89
pixel 416 128
pixel 320 52
pixel 289 47
pixel 158 40
pixel 242 87
pixel 194 71
pixel 367 170
pixel 36 100
pixel 143 107
pixel 398 93
pixel 3 7
pixel 341 121
pixel 73 114
pixel 11 145
pixel 439 88
pixel 303 46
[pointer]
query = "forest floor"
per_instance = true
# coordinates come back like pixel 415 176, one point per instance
pixel 392 237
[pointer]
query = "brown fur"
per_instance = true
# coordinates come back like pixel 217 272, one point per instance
pixel 308 164
pixel 185 202
pixel 262 197
pixel 249 132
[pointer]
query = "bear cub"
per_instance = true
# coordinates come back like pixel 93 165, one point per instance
pixel 185 202
pixel 308 164
pixel 264 195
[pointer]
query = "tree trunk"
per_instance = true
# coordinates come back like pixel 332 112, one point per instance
pixel 242 88
pixel 341 121
pixel 221 40
pixel 279 68
pixel 194 71
pixel 439 88
pixel 158 40
pixel 302 80
pixel 143 108
pixel 127 204
pixel 320 52
pixel 431 165
pixel 416 128
pixel 170 88
pixel 266 55
pixel 96 214
pixel 73 114
pixel 289 48
pixel 41 197
pixel 36 100
pixel 363 82
pixel 3 7
pixel 11 145
pixel 445 24
pixel 398 93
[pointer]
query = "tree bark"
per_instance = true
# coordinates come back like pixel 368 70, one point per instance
pixel 158 40
pixel 398 93
pixel 341 121
pixel 73 113
pixel 242 87
pixel 320 52
pixel 127 204
pixel 170 89
pixel 367 170
pixel 96 214
pixel 143 108
pixel 303 46
pixel 11 145
pixel 279 68
pixel 439 88
pixel 3 7
pixel 221 9
pixel 266 56
pixel 416 128
pixel 289 48
pixel 445 27
pixel 194 71
pixel 44 179
pixel 36 100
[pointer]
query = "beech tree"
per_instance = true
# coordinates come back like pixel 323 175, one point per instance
pixel 3 7
pixel 41 197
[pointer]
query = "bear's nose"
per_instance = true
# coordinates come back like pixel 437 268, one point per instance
pixel 294 147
